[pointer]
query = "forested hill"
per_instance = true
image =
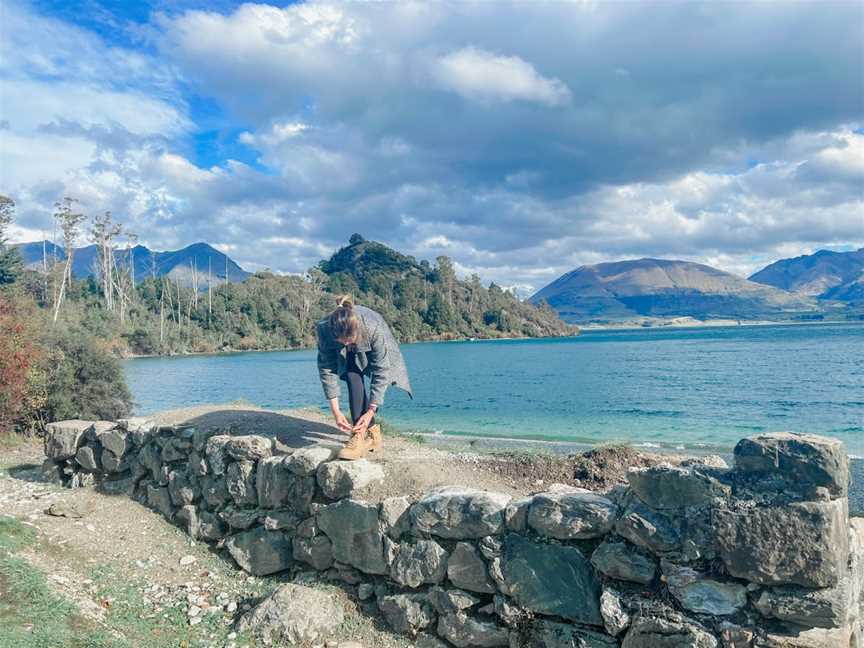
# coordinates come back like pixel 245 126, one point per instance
pixel 423 301
pixel 165 315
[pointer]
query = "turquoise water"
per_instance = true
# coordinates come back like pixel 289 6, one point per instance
pixel 674 388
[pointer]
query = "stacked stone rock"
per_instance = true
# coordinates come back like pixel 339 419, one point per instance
pixel 760 555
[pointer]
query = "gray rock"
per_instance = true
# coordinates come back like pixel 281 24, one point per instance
pixel 406 613
pixel 467 570
pixel 197 465
pixel 214 490
pixel 798 637
pixel 308 528
pixel 50 472
pixel 305 461
pixel 63 438
pixel 424 561
pixel 284 520
pixel 459 513
pixel 814 608
pixel 214 450
pixel 240 480
pixel 114 440
pixel 672 631
pixel 151 459
pixel 159 499
pixel 395 516
pixel 249 448
pixel 516 514
pixel 805 460
pixel 672 487
pixel 339 479
pixel 648 528
pixel 86 458
pixel 572 515
pixel 355 531
pixel 238 518
pixel 317 552
pixel 181 489
pixel 260 552
pixel 698 593
pixel 552 580
pixel 293 614
pixel 82 480
pixel 201 525
pixel 624 562
pixel 803 543
pixel 429 641
pixel 279 487
pixel 451 600
pixel 462 631
pixel 550 634
pixel 175 449
pixel 112 463
pixel 71 510
pixel 615 617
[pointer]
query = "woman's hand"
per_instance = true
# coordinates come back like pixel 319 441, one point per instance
pixel 342 422
pixel 363 422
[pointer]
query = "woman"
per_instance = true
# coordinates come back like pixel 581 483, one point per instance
pixel 353 342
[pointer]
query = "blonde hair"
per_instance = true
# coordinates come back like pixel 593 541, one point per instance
pixel 344 322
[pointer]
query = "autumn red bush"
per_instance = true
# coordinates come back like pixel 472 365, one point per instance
pixel 20 354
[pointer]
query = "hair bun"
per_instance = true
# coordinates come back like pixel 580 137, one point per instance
pixel 345 301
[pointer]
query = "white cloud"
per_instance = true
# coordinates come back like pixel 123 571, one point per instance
pixel 277 134
pixel 482 76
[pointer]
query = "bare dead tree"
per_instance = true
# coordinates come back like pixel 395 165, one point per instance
pixel 70 224
pixel 103 231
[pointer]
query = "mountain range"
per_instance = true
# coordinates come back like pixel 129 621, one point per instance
pixel 818 286
pixel 176 264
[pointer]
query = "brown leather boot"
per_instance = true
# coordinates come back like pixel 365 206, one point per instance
pixel 376 439
pixel 357 447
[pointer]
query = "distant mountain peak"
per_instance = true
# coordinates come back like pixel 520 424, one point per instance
pixel 825 274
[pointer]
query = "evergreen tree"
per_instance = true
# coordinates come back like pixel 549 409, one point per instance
pixel 10 259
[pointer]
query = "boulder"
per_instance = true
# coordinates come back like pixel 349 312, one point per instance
pixel 214 450
pixel 459 513
pixel 112 463
pixel 462 630
pixel 159 500
pixel 293 614
pixel 516 514
pixel 466 569
pixel 624 562
pixel 551 634
pixel 648 528
pixel 181 488
pixel 339 479
pixel 150 459
pixel 115 441
pixel 804 460
pixel 249 448
pixel 395 516
pixel 698 593
pixel 669 631
pixel 175 449
pixel 672 487
pixel 355 531
pixel 305 461
pixel 285 520
pixel 50 472
pixel 831 607
pixel 240 480
pixel 260 552
pixel 238 518
pixel 214 490
pixel 615 617
pixel 406 613
pixel 572 515
pixel 552 580
pixel 424 561
pixel 316 551
pixel 451 600
pixel 802 543
pixel 798 637
pixel 63 438
pixel 87 459
pixel 279 487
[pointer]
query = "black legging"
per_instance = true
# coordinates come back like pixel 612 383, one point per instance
pixel 357 396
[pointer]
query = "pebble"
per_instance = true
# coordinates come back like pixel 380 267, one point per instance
pixel 187 560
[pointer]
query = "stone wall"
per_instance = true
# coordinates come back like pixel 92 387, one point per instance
pixel 763 554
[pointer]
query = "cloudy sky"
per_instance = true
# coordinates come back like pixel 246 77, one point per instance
pixel 521 139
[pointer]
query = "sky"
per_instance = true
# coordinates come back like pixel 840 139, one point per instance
pixel 520 139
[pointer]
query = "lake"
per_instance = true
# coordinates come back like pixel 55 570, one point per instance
pixel 674 388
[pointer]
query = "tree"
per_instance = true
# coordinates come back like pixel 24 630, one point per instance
pixel 70 223
pixel 103 231
pixel 10 259
pixel 356 239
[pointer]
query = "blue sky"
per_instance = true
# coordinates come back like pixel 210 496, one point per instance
pixel 521 139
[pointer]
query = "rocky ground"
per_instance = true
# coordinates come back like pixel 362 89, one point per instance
pixel 123 576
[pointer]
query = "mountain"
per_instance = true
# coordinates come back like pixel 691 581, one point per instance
pixel 824 274
pixel 627 290
pixel 177 264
